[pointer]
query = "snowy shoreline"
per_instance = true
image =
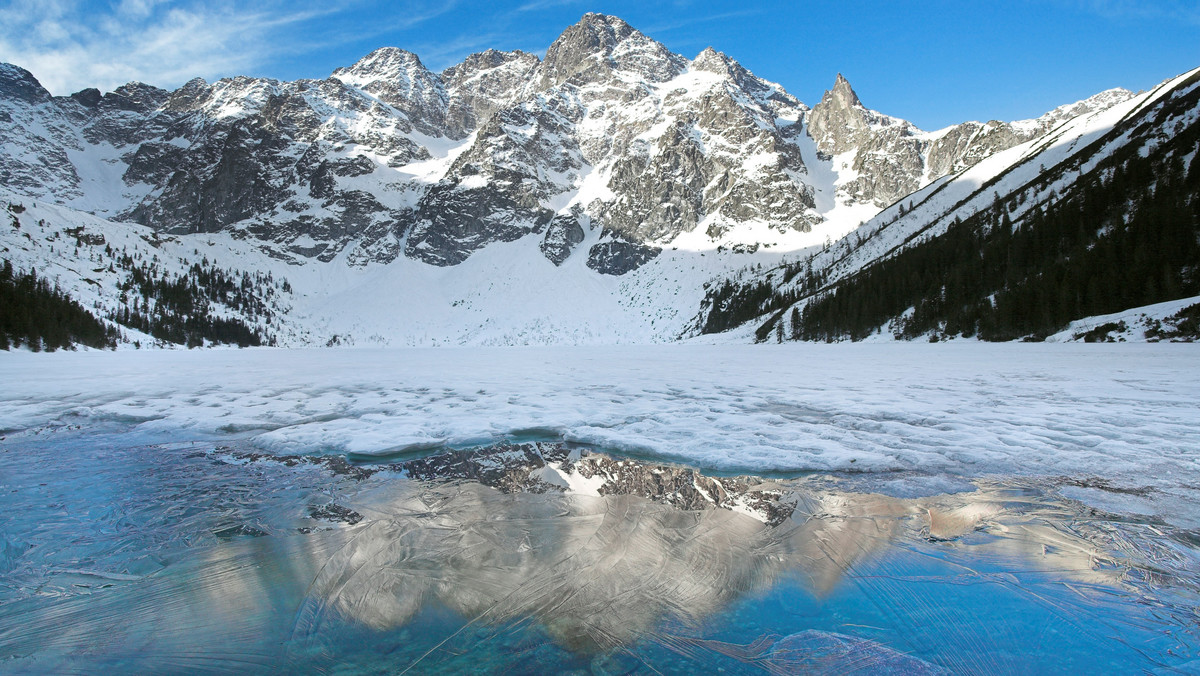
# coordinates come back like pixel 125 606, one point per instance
pixel 1126 413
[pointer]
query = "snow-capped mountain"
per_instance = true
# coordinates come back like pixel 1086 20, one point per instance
pixel 601 186
pixel 611 132
pixel 880 159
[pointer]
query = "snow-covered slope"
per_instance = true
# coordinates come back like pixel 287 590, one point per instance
pixel 1148 323
pixel 506 294
pixel 929 211
pixel 1016 182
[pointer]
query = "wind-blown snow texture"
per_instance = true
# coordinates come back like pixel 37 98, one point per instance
pixel 965 410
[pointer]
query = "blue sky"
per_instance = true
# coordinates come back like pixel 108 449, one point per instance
pixel 934 62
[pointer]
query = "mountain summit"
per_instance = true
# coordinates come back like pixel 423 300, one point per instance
pixel 611 135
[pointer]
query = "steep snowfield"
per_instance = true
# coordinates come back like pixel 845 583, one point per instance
pixel 1124 413
pixel 505 294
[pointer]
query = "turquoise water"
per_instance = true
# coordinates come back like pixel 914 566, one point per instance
pixel 173 558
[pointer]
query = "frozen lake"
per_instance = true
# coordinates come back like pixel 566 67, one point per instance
pixel 968 508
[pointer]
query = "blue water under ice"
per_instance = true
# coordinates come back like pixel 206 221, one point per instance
pixel 169 558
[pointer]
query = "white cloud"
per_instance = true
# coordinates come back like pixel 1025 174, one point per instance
pixel 537 5
pixel 69 45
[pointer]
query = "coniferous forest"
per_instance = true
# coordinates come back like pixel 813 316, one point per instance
pixel 1116 243
pixel 179 308
pixel 201 305
pixel 38 315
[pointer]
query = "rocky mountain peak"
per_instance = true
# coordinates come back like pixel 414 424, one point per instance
pixel 839 122
pixel 770 95
pixel 587 150
pixel 385 63
pixel 397 77
pixel 136 96
pixel 596 46
pixel 484 83
pixel 843 93
pixel 188 97
pixel 485 60
pixel 712 61
pixel 1101 101
pixel 18 83
pixel 596 23
pixel 88 98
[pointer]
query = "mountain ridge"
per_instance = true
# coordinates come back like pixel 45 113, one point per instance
pixel 612 158
pixel 185 169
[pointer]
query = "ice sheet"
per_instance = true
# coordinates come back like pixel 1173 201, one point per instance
pixel 1126 413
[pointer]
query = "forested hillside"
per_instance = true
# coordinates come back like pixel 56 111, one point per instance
pixel 36 314
pixel 1106 231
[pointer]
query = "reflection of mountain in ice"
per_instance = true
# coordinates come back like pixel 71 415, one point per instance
pixel 181 558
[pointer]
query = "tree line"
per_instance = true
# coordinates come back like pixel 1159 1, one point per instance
pixel 179 308
pixel 37 314
pixel 1121 239
pixel 1123 235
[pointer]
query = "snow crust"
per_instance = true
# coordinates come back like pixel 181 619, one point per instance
pixel 1137 320
pixel 1126 413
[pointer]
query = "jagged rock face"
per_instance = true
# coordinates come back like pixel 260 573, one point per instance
pixel 495 190
pixel 658 191
pixel 455 222
pixel 891 158
pixel 889 166
pixel 772 95
pixel 674 143
pixel 887 155
pixel 612 136
pixel 617 257
pixel 563 234
pixel 399 79
pixel 483 84
pixel 18 84
pixel 840 121
pixel 34 159
pixel 262 154
pixel 715 159
pixel 1101 101
pixel 599 47
pixel 965 144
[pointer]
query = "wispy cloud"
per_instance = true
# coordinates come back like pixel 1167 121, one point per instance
pixel 1185 11
pixel 442 54
pixel 537 5
pixel 693 19
pixel 388 20
pixel 70 44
